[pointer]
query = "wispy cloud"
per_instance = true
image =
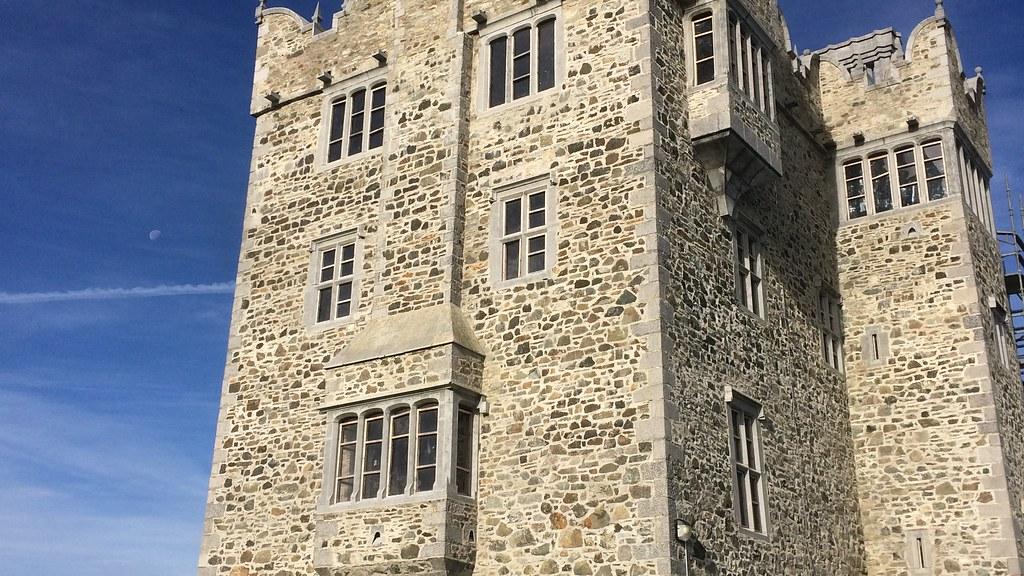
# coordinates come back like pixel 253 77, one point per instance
pixel 116 293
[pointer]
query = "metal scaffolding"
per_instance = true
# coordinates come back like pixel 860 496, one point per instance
pixel 1011 247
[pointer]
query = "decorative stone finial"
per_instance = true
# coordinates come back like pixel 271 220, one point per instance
pixel 259 11
pixel 978 70
pixel 318 20
pixel 940 10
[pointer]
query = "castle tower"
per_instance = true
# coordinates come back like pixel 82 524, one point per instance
pixel 935 400
pixel 536 287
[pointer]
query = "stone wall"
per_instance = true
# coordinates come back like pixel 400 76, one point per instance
pixel 710 342
pixel 564 482
pixel 605 378
pixel 922 418
pixel 922 88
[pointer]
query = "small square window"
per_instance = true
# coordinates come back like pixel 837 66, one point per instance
pixel 523 234
pixel 334 279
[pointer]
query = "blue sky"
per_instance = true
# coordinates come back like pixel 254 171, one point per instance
pixel 119 119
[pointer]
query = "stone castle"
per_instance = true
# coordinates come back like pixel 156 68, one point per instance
pixel 616 288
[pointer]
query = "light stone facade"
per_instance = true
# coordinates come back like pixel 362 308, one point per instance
pixel 600 385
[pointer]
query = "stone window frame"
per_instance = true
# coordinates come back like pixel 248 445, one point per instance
pixel 448 400
pixel 919 552
pixel 1001 334
pixel 523 189
pixel 701 15
pixel 343 90
pixel 974 182
pixel 889 148
pixel 313 284
pixel 874 346
pixel 744 33
pixel 830 323
pixel 752 413
pixel 506 26
pixel 749 296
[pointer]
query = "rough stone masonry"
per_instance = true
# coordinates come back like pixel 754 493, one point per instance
pixel 543 286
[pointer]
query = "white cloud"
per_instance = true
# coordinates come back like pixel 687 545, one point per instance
pixel 116 293
pixel 92 493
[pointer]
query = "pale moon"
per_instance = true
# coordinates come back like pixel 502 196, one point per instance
pixel 154 234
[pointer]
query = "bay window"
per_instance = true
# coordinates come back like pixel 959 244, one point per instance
pixel 392 449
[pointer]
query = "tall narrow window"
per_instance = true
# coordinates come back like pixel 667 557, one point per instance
pixel 906 171
pixel 999 323
pixel 881 184
pixel 373 451
pixel 745 59
pixel 346 471
pixel 398 471
pixel 766 79
pixel 355 131
pixel 499 65
pixel 831 330
pixel 377 100
pixel 749 287
pixel 524 233
pixel 755 70
pixel 748 471
pixel 336 137
pixel 869 73
pixel 335 279
pixel 934 170
pixel 426 448
pixel 521 61
pixel 734 30
pixel 856 202
pixel 464 453
pixel 704 48
pixel 546 55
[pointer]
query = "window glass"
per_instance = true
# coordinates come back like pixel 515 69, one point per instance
pixel 499 66
pixel 521 63
pixel 336 135
pixel 464 453
pixel 373 449
pixel 748 470
pixel 881 185
pixel 856 202
pixel 426 448
pixel 355 130
pixel 934 170
pixel 398 473
pixel 733 31
pixel 377 101
pixel 704 48
pixel 335 281
pixel 906 170
pixel 524 234
pixel 346 460
pixel 546 54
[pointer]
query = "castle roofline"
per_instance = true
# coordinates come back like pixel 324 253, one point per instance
pixel 887 31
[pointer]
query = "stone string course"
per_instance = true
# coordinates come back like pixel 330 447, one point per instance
pixel 605 381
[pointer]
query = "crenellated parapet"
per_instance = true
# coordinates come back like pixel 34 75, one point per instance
pixel 904 113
